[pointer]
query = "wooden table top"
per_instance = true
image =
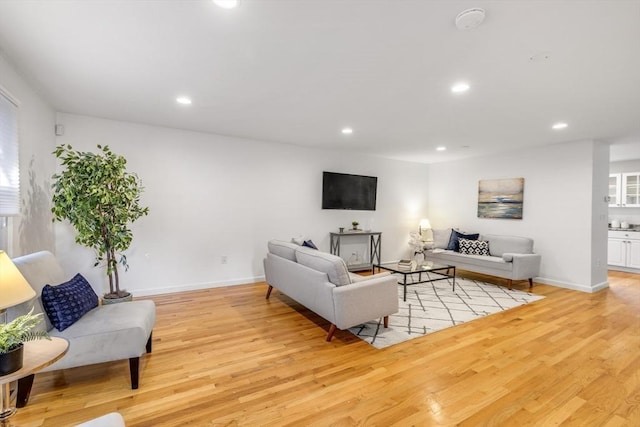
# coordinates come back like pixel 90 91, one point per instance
pixel 38 355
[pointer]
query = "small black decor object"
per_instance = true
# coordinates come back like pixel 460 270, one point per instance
pixel 11 361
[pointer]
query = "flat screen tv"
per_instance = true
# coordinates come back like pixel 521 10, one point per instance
pixel 345 191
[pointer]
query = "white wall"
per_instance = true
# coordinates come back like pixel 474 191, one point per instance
pixel 557 213
pixel 599 217
pixel 32 231
pixel 212 196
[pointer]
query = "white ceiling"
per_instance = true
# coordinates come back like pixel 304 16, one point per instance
pixel 297 71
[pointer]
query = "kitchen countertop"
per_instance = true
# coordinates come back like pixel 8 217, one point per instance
pixel 634 228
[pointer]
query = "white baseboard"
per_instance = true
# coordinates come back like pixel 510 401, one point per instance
pixel 196 286
pixel 572 286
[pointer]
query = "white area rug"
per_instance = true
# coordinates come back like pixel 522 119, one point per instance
pixel 433 306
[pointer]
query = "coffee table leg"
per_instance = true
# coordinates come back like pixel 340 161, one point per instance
pixel 454 278
pixel 405 287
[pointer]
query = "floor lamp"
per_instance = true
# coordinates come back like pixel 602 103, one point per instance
pixel 14 289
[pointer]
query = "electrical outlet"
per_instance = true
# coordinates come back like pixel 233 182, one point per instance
pixel 223 259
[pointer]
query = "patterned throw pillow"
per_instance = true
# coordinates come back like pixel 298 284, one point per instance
pixel 455 236
pixel 68 302
pixel 474 247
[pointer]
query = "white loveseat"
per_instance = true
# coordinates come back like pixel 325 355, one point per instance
pixel 322 283
pixel 510 257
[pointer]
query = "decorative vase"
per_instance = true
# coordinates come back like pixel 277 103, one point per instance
pixel 11 361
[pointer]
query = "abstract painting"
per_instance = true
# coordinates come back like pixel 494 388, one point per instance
pixel 500 198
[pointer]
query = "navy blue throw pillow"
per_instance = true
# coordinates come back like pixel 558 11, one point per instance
pixel 454 244
pixel 309 244
pixel 68 302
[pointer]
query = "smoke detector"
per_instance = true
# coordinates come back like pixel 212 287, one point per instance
pixel 469 19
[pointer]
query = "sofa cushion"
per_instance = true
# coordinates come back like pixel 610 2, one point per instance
pixel 441 238
pixel 474 247
pixel 454 245
pixel 283 249
pixel 66 303
pixel 499 245
pixel 334 266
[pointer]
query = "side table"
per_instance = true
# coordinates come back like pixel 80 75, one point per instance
pixel 37 355
pixel 375 247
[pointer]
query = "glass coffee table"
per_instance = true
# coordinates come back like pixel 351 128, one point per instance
pixel 425 268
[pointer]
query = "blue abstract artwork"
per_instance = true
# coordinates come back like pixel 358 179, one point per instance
pixel 500 198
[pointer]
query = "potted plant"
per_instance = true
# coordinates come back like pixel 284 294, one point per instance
pixel 12 337
pixel 355 225
pixel 100 199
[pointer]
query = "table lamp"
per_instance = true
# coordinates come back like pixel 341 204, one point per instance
pixel 14 288
pixel 424 225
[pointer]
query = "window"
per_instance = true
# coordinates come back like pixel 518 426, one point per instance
pixel 9 164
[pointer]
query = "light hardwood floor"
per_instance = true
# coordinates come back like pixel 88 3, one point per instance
pixel 228 357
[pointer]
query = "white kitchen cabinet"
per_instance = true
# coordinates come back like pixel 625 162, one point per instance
pixel 630 195
pixel 624 249
pixel 633 254
pixel 615 189
pixel 624 190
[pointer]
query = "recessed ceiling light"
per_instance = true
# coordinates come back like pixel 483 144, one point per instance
pixel 441 148
pixel 559 125
pixel 227 4
pixel 470 18
pixel 460 87
pixel 183 100
pixel 347 131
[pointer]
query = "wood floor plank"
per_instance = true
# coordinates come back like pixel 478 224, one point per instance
pixel 228 357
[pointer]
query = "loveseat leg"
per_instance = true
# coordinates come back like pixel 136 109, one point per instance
pixel 386 321
pixel 149 342
pixel 530 283
pixel 269 292
pixel 510 284
pixel 24 390
pixel 332 330
pixel 134 369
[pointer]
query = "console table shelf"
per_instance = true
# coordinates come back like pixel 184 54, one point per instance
pixel 375 247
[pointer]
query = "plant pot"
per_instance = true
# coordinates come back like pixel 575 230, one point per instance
pixel 106 301
pixel 12 361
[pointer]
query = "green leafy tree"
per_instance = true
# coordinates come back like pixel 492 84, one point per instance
pixel 100 199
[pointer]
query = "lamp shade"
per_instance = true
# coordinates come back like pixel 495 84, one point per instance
pixel 424 224
pixel 14 288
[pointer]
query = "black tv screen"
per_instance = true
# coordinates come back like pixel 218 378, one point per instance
pixel 345 191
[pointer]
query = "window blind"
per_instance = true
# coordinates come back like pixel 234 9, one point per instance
pixel 9 161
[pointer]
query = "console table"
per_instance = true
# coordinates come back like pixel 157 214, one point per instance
pixel 375 247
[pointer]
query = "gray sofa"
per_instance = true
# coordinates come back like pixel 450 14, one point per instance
pixel 322 283
pixel 104 334
pixel 510 257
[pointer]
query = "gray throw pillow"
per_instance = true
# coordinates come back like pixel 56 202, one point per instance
pixel 441 238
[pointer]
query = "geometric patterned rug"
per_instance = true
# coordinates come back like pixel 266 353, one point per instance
pixel 433 306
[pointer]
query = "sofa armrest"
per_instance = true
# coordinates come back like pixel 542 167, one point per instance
pixel 365 300
pixel 525 266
